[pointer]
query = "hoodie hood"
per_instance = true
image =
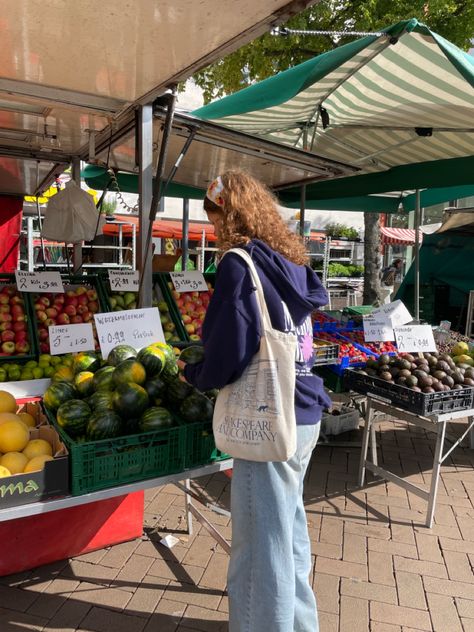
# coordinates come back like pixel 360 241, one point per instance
pixel 298 286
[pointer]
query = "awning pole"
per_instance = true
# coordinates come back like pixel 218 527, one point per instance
pixel 302 209
pixel 417 255
pixel 77 247
pixel 145 189
pixel 185 229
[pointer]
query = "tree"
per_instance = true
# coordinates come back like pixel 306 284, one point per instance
pixel 453 19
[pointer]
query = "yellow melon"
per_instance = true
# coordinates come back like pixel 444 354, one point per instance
pixel 37 463
pixel 7 403
pixel 15 462
pixel 14 436
pixel 27 419
pixel 4 472
pixel 4 417
pixel 37 447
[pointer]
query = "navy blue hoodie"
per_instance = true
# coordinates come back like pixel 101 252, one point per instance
pixel 231 328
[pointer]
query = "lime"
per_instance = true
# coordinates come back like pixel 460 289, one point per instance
pixel 31 364
pixel 49 371
pixel 46 357
pixel 27 374
pixel 67 360
pixel 38 373
pixel 3 375
pixel 55 360
pixel 14 374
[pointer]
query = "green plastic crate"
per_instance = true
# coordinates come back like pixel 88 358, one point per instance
pixel 332 381
pixel 200 444
pixel 107 463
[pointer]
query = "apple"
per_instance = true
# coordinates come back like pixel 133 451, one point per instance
pixel 52 312
pixel 82 299
pixel 4 309
pixel 76 319
pixel 71 300
pixel 4 300
pixel 5 317
pixel 43 333
pixel 22 347
pixel 87 317
pixel 20 335
pixel 7 335
pixel 190 328
pixel 169 327
pixel 50 322
pixel 186 318
pixel 41 316
pixel 20 325
pixel 16 300
pixel 6 326
pixel 93 307
pixel 45 301
pixel 81 290
pixel 63 319
pixel 59 298
pixel 176 295
pixel 92 295
pixel 194 337
pixel 8 348
pixel 82 309
pixel 44 347
pixel 70 310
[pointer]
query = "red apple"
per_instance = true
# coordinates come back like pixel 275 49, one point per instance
pixel 44 300
pixel 4 300
pixel 41 316
pixel 59 298
pixel 8 348
pixel 71 300
pixel 4 309
pixel 87 317
pixel 5 317
pixel 6 326
pixel 70 293
pixel 81 290
pixel 76 319
pixel 16 300
pixel 92 295
pixel 7 335
pixel 63 319
pixel 50 322
pixel 82 309
pixel 43 334
pixel 190 328
pixel 22 347
pixel 82 299
pixel 52 312
pixel 44 347
pixel 93 307
pixel 70 310
pixel 9 290
pixel 20 325
pixel 186 318
pixel 20 335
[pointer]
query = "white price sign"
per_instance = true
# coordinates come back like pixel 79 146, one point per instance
pixel 415 338
pixel 190 281
pixel 377 329
pixel 135 327
pixel 39 281
pixel 124 280
pixel 71 338
pixel 396 311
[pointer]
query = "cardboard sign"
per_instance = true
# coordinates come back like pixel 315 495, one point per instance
pixel 124 280
pixel 71 338
pixel 378 329
pixel 39 281
pixel 135 327
pixel 396 311
pixel 190 281
pixel 415 338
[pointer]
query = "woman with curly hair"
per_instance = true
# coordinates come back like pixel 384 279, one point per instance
pixel 268 580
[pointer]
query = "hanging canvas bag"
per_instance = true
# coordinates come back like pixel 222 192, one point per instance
pixel 254 417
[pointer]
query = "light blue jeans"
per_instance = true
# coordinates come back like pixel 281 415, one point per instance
pixel 268 580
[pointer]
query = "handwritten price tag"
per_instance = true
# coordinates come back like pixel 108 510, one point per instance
pixel 124 280
pixel 39 281
pixel 135 327
pixel 71 338
pixel 415 338
pixel 190 281
pixel 377 329
pixel 396 311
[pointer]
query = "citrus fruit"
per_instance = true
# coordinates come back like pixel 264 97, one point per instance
pixel 4 472
pixel 7 403
pixel 27 419
pixel 37 447
pixel 37 463
pixel 14 436
pixel 15 462
pixel 55 360
pixel 48 371
pixel 3 375
pixel 38 373
pixel 31 364
pixel 4 417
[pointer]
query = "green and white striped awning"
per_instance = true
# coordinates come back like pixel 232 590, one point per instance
pixel 379 102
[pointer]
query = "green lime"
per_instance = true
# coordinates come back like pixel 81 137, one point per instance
pixel 27 374
pixel 3 375
pixel 45 356
pixel 55 360
pixel 38 373
pixel 31 364
pixel 14 375
pixel 49 371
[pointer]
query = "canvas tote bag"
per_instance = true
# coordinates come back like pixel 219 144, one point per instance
pixel 254 417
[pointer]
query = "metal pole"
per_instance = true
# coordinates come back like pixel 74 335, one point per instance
pixel 40 228
pixel 145 191
pixel 185 253
pixel 302 209
pixel 77 248
pixel 417 255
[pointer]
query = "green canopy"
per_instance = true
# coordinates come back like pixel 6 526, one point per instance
pixel 399 107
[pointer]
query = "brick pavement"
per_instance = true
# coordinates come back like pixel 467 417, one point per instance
pixel 376 567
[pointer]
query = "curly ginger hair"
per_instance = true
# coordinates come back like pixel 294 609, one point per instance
pixel 250 212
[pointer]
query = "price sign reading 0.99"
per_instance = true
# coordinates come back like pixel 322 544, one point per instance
pixel 39 281
pixel 71 338
pixel 124 280
pixel 415 338
pixel 190 281
pixel 135 327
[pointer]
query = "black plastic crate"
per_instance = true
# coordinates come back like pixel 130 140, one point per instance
pixel 326 354
pixel 424 404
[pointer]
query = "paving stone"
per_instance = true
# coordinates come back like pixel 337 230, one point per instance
pixel 355 548
pixel 87 572
pixel 103 620
pixel 146 597
pixel 341 568
pixel 200 551
pixel 428 547
pixel 447 587
pixel 69 615
pixel 328 622
pixel 402 533
pixel 420 567
pixel 331 530
pixel 398 615
pixel 368 590
pixel 448 544
pixel 188 594
pixel 215 575
pixel 465 607
pixel 118 555
pixel 101 595
pixel 94 557
pixel 354 614
pixel 16 599
pixel 376 626
pixel 12 621
pixel 381 568
pixel 326 588
pixel 458 565
pixel 392 547
pixel 173 571
pixel 468 625
pixel 203 619
pixel 369 531
pixel 166 617
pixel 410 590
pixel 444 614
pixel 132 573
pixel 324 549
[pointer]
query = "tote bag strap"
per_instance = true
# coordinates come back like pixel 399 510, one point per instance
pixel 264 314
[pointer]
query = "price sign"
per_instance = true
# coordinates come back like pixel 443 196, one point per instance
pixel 71 338
pixel 190 281
pixel 415 338
pixel 396 311
pixel 135 327
pixel 39 281
pixel 377 329
pixel 125 280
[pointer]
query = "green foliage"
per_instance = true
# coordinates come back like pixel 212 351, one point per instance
pixel 335 230
pixel 453 19
pixel 340 270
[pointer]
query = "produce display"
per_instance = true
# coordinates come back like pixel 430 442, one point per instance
pixel 76 305
pixel 377 347
pixel 133 392
pixel 14 338
pixel 346 349
pixel 19 453
pixel 462 354
pixel 430 373
pixel 192 307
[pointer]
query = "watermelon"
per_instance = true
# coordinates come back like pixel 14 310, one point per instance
pixel 153 359
pixel 170 370
pixel 101 400
pixel 156 390
pixel 63 374
pixel 104 424
pixel 83 383
pixel 155 418
pixel 196 407
pixel 167 350
pixel 192 354
pixel 103 379
pixel 58 393
pixel 129 371
pixel 177 391
pixel 120 353
pixel 130 400
pixel 72 416
pixel 85 361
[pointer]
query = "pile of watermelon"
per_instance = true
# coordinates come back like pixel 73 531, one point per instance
pixel 132 392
